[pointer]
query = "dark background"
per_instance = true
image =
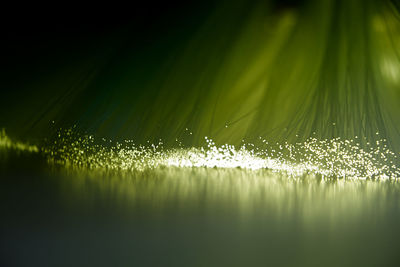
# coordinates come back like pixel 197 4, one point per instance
pixel 49 52
pixel 49 219
pixel 46 50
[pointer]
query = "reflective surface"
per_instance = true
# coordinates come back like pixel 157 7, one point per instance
pixel 65 214
pixel 207 133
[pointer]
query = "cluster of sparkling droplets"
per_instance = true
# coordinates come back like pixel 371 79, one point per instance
pixel 333 158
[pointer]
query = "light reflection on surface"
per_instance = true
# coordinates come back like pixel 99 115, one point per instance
pixel 329 179
pixel 244 193
pixel 335 158
pixel 192 214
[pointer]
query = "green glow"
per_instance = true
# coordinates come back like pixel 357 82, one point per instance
pixel 240 72
pixel 252 193
pixel 311 174
pixel 334 158
pixel 261 129
pixel 8 144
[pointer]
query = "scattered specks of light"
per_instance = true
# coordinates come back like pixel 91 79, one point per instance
pixel 335 158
